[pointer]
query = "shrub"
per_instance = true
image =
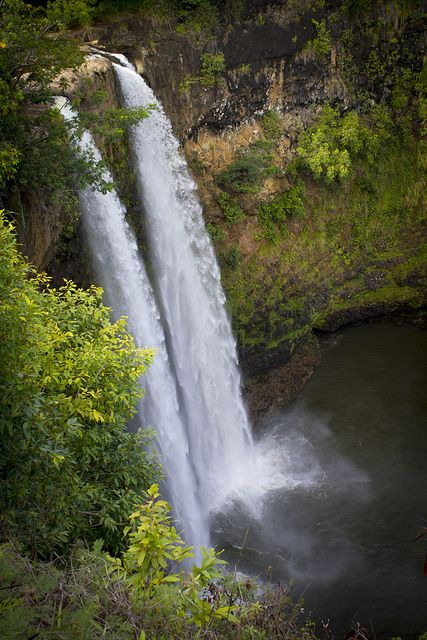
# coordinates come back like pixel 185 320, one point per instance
pixel 186 83
pixel 199 20
pixel 319 46
pixel 234 257
pixel 231 209
pixel 329 146
pixel 271 126
pixel 244 69
pixel 233 10
pixel 68 467
pixel 71 13
pixel 249 170
pixel 215 231
pixel 212 66
pixel 141 594
pixel 273 215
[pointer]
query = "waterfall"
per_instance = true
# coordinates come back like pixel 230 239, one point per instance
pixel 187 279
pixel 193 395
pixel 121 272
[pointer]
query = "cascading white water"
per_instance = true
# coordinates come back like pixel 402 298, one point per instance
pixel 122 274
pixel 193 395
pixel 200 341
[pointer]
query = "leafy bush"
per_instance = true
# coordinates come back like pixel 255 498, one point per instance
pixel 212 66
pixel 273 215
pixel 186 83
pixel 69 382
pixel 319 46
pixel 70 13
pixel 34 155
pixel 155 545
pixel 329 146
pixel 215 231
pixel 30 58
pixel 231 209
pixel 244 69
pixel 249 170
pixel 234 257
pixel 271 126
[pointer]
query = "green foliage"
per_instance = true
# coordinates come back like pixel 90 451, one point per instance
pixel 231 209
pixel 329 146
pixel 244 69
pixel 186 83
pixel 68 466
pixel 421 89
pixel 197 167
pixel 322 40
pixel 76 602
pixel 33 153
pixel 271 125
pixel 377 217
pixel 400 8
pixel 160 11
pixel 155 546
pixel 154 543
pixel 201 598
pixel 233 258
pixel 232 10
pixel 93 597
pixel 193 16
pixel 249 170
pixel 197 604
pixel 212 66
pixel 319 46
pixel 67 14
pixel 110 124
pixel 273 215
pixel 10 158
pixel 198 19
pixel 215 231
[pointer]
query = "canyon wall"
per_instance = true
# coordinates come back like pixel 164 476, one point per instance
pixel 299 255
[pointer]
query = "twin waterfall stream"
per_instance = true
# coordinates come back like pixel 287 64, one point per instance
pixel 193 396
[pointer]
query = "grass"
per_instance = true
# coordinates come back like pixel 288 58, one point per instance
pixel 82 600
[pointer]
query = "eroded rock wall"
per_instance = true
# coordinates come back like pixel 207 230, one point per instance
pixel 322 273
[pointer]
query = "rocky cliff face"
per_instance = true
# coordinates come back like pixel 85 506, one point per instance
pixel 342 252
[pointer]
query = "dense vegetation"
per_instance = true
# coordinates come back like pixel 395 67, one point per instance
pixel 35 158
pixel 69 382
pixel 91 551
pixel 141 594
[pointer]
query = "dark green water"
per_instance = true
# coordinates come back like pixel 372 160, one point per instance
pixel 356 443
